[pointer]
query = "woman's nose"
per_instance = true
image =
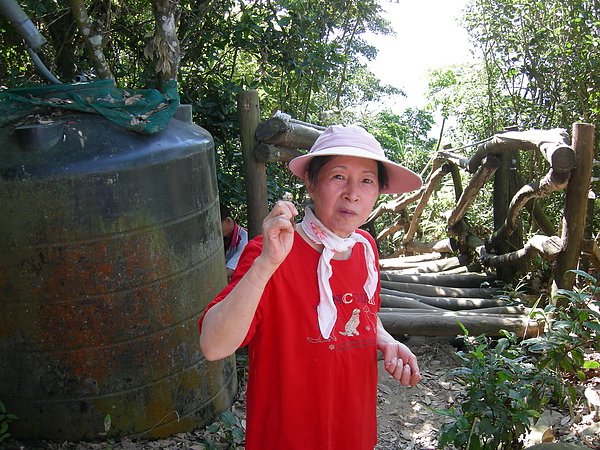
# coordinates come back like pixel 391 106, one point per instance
pixel 351 193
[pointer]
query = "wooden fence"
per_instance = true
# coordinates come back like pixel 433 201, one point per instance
pixel 569 157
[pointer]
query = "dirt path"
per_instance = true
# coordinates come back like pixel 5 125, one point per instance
pixel 404 418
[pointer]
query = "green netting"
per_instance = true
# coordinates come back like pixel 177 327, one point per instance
pixel 142 110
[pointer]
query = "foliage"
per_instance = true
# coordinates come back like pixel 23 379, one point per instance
pixel 465 93
pixel 507 381
pixel 504 391
pixel 573 330
pixel 304 58
pixel 543 55
pixel 5 419
pixel 536 68
pixel 229 431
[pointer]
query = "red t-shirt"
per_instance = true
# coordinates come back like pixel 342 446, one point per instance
pixel 305 392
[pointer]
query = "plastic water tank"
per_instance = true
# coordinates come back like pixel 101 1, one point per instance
pixel 110 248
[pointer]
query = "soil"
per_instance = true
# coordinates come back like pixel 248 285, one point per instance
pixel 405 416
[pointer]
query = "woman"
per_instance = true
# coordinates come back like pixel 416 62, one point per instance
pixel 305 300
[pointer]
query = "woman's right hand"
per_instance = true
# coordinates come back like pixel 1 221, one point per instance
pixel 278 233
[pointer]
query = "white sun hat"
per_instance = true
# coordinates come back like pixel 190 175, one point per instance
pixel 353 140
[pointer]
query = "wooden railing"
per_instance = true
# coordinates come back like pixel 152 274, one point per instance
pixel 570 160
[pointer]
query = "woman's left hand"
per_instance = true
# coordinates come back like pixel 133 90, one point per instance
pixel 398 360
pixel 401 363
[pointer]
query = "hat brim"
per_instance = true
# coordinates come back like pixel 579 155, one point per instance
pixel 400 179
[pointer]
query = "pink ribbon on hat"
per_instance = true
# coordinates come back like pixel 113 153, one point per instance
pixel 320 234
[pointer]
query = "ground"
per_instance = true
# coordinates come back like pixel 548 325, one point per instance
pixel 406 419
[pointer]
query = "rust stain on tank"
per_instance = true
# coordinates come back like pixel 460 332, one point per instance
pixel 85 314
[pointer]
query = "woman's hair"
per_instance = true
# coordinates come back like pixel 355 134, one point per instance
pixel 315 165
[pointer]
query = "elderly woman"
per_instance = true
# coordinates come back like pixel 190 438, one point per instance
pixel 304 300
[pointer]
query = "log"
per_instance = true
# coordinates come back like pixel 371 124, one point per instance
pixel 554 145
pixel 472 280
pixel 541 219
pixel 446 324
pixel 405 262
pixel 394 301
pixel 395 205
pixel 281 131
pixel 438 265
pixel 449 303
pixel 429 188
pixel 428 290
pixel 267 153
pixel 548 247
pixel 575 209
pixel 483 175
pixel 388 231
pixel 454 158
pixel 497 310
pixel 443 246
pixel 552 182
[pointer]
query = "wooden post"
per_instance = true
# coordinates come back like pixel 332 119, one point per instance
pixel 254 171
pixel 505 187
pixel 575 209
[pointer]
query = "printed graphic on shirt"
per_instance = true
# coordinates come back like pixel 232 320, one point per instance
pixel 363 320
pixel 351 327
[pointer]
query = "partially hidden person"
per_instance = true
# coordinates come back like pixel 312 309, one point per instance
pixel 235 239
pixel 304 299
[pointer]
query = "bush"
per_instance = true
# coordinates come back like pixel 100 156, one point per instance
pixel 504 392
pixel 507 381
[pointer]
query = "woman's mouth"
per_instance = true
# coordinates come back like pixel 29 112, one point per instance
pixel 347 212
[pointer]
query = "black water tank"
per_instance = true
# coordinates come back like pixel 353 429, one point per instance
pixel 110 248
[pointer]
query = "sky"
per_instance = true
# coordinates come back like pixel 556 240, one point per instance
pixel 427 36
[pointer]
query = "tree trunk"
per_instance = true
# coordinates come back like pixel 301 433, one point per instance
pixel 92 37
pixel 163 48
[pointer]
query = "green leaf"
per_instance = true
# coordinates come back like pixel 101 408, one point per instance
pixel 593 325
pixel 463 328
pixel 238 434
pixel 591 364
pixel 107 422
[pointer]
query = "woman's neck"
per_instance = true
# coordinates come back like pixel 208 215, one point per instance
pixel 341 256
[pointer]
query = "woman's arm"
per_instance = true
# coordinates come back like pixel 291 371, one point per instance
pixel 399 361
pixel 226 324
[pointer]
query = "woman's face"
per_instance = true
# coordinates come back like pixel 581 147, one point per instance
pixel 346 191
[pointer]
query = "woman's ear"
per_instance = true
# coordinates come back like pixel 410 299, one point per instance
pixel 309 187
